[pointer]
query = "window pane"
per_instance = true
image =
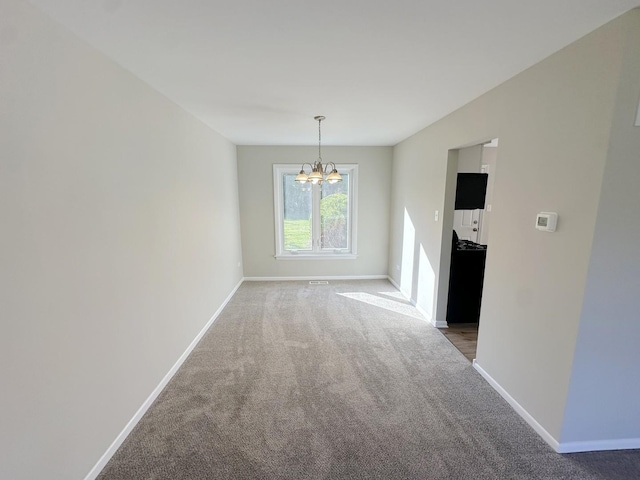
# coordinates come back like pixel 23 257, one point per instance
pixel 297 213
pixel 334 211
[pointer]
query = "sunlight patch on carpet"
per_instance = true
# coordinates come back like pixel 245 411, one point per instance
pixel 391 305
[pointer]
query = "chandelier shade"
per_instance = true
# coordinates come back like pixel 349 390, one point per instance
pixel 319 173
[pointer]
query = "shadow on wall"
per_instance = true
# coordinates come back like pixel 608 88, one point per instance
pixel 416 276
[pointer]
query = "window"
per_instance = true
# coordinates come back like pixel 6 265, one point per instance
pixel 315 221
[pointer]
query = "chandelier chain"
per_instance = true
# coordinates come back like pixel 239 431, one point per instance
pixel 319 139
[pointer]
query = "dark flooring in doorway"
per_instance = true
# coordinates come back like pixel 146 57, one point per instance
pixel 463 336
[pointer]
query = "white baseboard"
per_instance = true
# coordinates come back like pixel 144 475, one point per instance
pixel 432 321
pixel 316 277
pixel 439 323
pixel 97 468
pixel 435 323
pixel 560 447
pixel 599 445
pixel 422 312
pixel 393 282
pixel 546 436
pixel 407 296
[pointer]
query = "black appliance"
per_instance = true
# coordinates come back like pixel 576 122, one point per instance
pixel 466 278
pixel 471 190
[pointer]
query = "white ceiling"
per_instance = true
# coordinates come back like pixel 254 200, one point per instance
pixel 258 71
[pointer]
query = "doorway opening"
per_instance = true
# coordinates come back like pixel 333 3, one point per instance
pixel 468 204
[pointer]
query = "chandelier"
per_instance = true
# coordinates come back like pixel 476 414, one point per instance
pixel 319 172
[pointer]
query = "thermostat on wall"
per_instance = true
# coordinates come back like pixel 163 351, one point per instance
pixel 546 221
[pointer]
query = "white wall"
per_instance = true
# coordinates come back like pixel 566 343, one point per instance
pixel 255 171
pixel 553 121
pixel 469 159
pixel 120 239
pixel 603 397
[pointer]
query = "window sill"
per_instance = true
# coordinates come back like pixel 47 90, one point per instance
pixel 316 256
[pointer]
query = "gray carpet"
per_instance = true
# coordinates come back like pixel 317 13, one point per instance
pixel 338 381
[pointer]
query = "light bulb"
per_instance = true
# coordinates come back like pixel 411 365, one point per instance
pixel 302 177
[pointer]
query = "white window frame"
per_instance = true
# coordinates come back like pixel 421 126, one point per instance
pixel 317 253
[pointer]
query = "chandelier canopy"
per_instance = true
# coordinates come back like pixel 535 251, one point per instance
pixel 319 172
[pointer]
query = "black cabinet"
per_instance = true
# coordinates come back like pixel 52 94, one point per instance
pixel 465 283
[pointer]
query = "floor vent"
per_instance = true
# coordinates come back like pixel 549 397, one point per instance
pixel 318 282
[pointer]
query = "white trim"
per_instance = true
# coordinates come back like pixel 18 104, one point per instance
pixel 546 436
pixel 353 204
pixel 317 256
pixel 422 311
pixel 277 208
pixel 97 468
pixel 560 447
pixel 439 323
pixel 599 445
pixel 432 321
pixel 393 282
pixel 316 277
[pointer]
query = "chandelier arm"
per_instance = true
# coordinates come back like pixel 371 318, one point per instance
pixel 306 163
